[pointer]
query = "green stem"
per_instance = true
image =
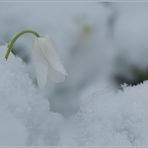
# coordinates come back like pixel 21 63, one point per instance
pixel 16 37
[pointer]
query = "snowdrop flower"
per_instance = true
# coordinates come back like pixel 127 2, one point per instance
pixel 46 61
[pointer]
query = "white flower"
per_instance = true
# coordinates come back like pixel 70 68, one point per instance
pixel 46 61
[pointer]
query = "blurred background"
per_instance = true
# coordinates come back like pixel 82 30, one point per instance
pixel 100 44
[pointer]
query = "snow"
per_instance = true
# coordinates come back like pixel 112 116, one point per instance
pixel 105 117
pixel 20 97
pixel 111 119
pixel 12 132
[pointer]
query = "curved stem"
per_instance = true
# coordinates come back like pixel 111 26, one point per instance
pixel 16 37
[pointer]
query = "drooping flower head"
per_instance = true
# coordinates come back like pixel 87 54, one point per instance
pixel 46 61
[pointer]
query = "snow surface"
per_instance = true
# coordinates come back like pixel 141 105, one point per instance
pixel 105 117
pixel 12 132
pixel 111 119
pixel 25 111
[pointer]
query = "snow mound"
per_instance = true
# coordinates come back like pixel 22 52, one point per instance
pixel 111 119
pixel 20 97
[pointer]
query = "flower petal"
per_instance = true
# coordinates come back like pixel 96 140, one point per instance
pixel 40 64
pixel 51 54
pixel 55 76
